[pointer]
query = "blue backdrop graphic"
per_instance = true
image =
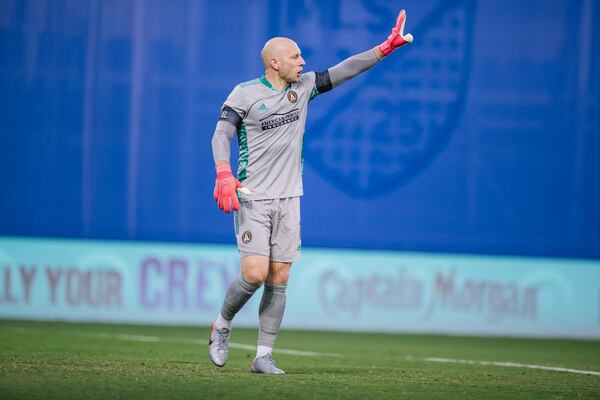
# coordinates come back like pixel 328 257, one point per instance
pixel 482 136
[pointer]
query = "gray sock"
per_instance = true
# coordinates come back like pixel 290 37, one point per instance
pixel 270 313
pixel 237 295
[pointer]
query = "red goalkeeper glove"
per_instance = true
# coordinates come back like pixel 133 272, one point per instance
pixel 226 187
pixel 397 38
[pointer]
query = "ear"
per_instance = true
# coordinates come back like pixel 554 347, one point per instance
pixel 274 64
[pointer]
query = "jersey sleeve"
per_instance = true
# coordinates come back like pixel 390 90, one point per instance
pixel 318 82
pixel 235 108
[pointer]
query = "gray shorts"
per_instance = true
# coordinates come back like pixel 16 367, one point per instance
pixel 269 228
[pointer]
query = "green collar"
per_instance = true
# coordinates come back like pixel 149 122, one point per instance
pixel 265 82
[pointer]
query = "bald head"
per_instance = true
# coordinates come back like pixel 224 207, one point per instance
pixel 283 61
pixel 276 48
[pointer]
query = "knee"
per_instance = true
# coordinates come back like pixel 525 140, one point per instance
pixel 255 269
pixel 255 277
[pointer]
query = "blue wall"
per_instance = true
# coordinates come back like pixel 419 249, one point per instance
pixel 483 136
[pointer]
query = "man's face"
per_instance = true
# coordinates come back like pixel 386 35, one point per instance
pixel 291 63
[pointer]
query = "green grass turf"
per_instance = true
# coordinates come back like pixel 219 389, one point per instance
pixel 89 361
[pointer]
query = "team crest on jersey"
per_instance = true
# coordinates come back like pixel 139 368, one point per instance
pixel 246 237
pixel 292 96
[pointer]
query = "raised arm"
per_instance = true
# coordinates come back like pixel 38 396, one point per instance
pixel 359 63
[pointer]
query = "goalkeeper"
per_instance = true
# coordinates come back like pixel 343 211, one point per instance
pixel 268 114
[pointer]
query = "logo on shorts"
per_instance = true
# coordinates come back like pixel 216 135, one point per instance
pixel 246 237
pixel 292 96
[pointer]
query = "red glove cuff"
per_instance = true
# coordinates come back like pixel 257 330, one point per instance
pixel 385 48
pixel 223 170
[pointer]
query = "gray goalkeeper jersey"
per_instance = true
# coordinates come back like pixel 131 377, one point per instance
pixel 270 129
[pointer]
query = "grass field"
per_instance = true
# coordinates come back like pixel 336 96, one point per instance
pixel 93 361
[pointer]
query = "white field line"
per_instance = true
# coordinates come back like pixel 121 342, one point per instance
pixel 154 339
pixel 144 338
pixel 504 364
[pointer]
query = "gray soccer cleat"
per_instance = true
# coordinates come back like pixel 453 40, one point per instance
pixel 265 365
pixel 217 345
